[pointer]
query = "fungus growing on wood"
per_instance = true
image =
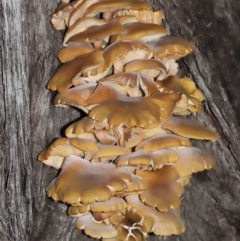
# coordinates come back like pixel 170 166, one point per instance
pixel 123 167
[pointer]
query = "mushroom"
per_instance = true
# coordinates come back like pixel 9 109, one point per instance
pixel 55 154
pixel 162 188
pixel 145 16
pixel 95 229
pixel 161 141
pixel 160 223
pixel 96 34
pixel 138 30
pixel 81 181
pixel 190 129
pixel 73 51
pixel 130 225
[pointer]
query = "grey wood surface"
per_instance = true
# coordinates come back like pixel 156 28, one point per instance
pixel 29 122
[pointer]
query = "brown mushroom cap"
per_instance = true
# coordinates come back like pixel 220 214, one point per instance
pixel 129 112
pixel 73 51
pixel 83 182
pixel 143 31
pixel 162 189
pixel 124 19
pixel 161 141
pixel 160 223
pixel 190 129
pixel 150 67
pixel 192 160
pixel 154 159
pixel 81 25
pixel 135 83
pixel 95 229
pixel 145 16
pixel 62 79
pixel 97 33
pixel 129 225
pixel 62 147
pixel 171 47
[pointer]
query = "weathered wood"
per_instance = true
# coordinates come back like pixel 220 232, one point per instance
pixel 29 122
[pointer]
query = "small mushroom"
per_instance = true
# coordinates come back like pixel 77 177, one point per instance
pixel 81 181
pixel 160 223
pixel 190 129
pixel 162 188
pixel 95 229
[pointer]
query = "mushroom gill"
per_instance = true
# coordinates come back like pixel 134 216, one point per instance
pixel 124 165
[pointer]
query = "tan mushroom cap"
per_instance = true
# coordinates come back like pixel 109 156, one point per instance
pixel 62 79
pixel 95 229
pixel 161 141
pixel 62 147
pixel 81 25
pixel 145 16
pixel 129 225
pixel 139 30
pixel 135 83
pixel 73 51
pixel 154 159
pixel 86 96
pixel 137 185
pixel 60 18
pixel 120 53
pixel 78 211
pixel 112 205
pixel 81 181
pixel 190 129
pixel 160 223
pixel 129 112
pixel 79 11
pixel 124 19
pixel 106 153
pixel 150 67
pixel 97 33
pixel 162 189
pixel 184 86
pixel 113 5
pixel 192 160
pixel 171 47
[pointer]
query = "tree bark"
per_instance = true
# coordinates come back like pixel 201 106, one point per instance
pixel 29 122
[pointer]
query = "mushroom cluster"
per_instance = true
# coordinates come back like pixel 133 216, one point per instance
pixel 127 161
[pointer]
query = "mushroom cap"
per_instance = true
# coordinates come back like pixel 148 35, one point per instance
pixel 136 83
pixel 129 112
pixel 129 225
pixel 87 96
pixel 109 152
pixel 192 160
pixel 139 30
pixel 160 223
pixel 62 79
pixel 113 5
pixel 62 147
pixel 81 181
pixel 81 25
pixel 190 129
pixel 162 189
pixel 95 229
pixel 150 67
pixel 154 159
pixel 97 32
pixel 124 19
pixel 171 47
pixel 161 141
pixel 145 16
pixel 71 52
pixel 112 205
pixel 126 51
